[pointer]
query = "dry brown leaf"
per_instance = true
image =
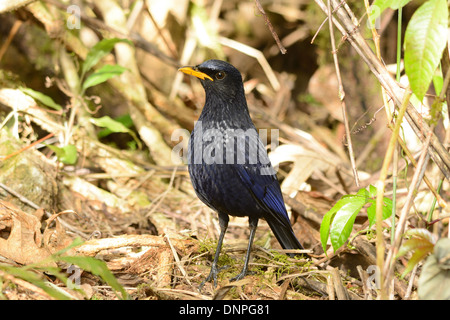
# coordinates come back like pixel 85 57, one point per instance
pixel 305 163
pixel 56 239
pixel 24 243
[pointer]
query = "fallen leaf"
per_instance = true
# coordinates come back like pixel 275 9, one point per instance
pixel 24 243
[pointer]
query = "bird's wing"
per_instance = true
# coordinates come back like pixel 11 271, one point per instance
pixel 261 180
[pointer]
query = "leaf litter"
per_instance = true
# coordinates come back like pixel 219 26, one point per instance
pixel 122 224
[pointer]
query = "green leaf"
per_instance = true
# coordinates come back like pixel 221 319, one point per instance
pixel 422 242
pixel 67 154
pixel 111 124
pixel 98 268
pixel 125 120
pixel 379 6
pixel 438 82
pixel 100 50
pixel 417 256
pixel 328 219
pixel 420 239
pixel 75 243
pixel 343 220
pixel 325 225
pixel 425 40
pixel 372 191
pixel 372 209
pixel 103 74
pixel 42 98
pixel 90 264
pixel 422 234
pixel 114 126
pixel 372 213
pixel 36 279
pixel 421 250
pixel 338 222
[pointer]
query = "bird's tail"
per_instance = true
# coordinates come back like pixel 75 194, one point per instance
pixel 285 235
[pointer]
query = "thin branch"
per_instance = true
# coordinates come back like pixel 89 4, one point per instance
pixel 3 158
pixel 177 259
pixel 33 205
pixel 269 25
pixel 417 178
pixel 342 98
pixel 344 22
pixel 380 190
pixel 11 36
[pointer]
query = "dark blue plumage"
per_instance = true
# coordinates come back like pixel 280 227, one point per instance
pixel 228 164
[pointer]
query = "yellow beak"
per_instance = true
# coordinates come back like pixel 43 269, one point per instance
pixel 191 71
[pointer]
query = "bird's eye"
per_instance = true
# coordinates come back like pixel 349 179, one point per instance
pixel 220 75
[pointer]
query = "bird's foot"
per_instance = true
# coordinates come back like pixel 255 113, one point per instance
pixel 241 275
pixel 212 276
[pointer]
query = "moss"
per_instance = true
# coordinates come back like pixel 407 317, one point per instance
pixel 27 173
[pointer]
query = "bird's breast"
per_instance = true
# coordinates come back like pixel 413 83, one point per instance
pixel 221 189
pixel 215 153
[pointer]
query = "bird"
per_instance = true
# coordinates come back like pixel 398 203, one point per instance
pixel 228 164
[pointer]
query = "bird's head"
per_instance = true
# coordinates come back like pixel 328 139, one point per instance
pixel 218 77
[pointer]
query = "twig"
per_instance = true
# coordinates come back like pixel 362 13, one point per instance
pixel 341 292
pixel 320 27
pixel 351 33
pixel 139 42
pixel 414 163
pixel 177 259
pixel 11 35
pixel 330 288
pixel 36 207
pixel 380 189
pixel 394 192
pixel 318 30
pixel 417 178
pixel 169 44
pixel 411 283
pixel 19 196
pixel 269 25
pixel 342 98
pixel 3 158
pixel 252 52
pixel 364 277
pixel 25 284
pixel 376 40
pixel 161 197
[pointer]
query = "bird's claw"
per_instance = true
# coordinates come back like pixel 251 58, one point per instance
pixel 241 275
pixel 212 276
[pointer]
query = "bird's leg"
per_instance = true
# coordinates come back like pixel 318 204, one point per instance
pixel 223 222
pixel 253 224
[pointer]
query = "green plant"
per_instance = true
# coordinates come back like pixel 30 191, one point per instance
pixel 116 125
pixel 32 273
pixel 424 41
pixel 337 223
pixel 434 280
pixel 421 241
pixel 99 51
pixel 88 78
